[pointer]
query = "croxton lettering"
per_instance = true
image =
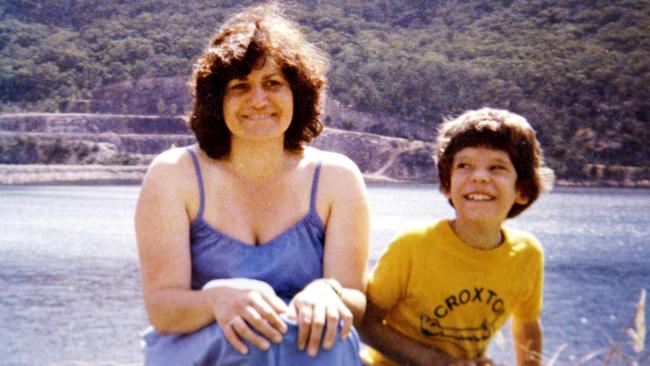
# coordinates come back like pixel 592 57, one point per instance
pixel 477 293
pixel 464 297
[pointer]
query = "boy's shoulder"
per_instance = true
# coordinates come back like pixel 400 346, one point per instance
pixel 523 241
pixel 416 233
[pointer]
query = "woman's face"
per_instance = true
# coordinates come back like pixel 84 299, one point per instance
pixel 259 106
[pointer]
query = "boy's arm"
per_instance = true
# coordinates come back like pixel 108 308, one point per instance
pixel 395 345
pixel 528 339
pixel 400 348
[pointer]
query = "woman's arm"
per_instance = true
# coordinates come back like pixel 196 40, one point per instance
pixel 162 229
pixel 347 235
pixel 528 338
pixel 320 307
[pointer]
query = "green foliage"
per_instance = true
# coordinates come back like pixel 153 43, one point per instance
pixel 16 151
pixel 160 106
pixel 568 66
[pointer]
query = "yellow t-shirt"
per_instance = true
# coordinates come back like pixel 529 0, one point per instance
pixel 447 294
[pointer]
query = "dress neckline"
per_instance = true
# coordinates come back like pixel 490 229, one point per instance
pixel 309 217
pixel 312 214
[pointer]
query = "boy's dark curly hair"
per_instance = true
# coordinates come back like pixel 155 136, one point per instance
pixel 501 130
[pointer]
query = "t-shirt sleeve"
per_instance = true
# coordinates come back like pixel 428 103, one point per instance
pixel 389 279
pixel 531 307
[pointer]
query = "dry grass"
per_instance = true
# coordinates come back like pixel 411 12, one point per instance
pixel 614 355
pixel 608 356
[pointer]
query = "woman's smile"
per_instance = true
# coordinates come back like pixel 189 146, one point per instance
pixel 256 117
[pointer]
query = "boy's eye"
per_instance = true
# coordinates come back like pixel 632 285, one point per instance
pixel 462 166
pixel 498 167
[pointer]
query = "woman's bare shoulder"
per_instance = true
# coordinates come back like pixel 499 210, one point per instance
pixel 173 166
pixel 332 160
pixel 173 156
pixel 171 183
pixel 338 172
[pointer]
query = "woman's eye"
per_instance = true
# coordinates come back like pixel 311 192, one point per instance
pixel 273 83
pixel 241 87
pixel 462 166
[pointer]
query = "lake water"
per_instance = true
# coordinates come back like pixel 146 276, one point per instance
pixel 70 289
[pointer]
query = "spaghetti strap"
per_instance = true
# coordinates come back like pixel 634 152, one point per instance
pixel 314 188
pixel 199 179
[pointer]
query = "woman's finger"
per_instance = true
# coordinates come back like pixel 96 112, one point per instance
pixel 278 305
pixel 270 308
pixel 259 323
pixel 346 318
pixel 244 331
pixel 331 326
pixel 316 332
pixel 303 317
pixel 233 339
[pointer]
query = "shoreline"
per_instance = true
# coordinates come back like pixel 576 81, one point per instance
pixel 88 175
pixel 23 174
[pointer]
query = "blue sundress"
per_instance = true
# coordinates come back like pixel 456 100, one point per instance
pixel 288 263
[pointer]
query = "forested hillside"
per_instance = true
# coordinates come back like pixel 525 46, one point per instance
pixel 578 69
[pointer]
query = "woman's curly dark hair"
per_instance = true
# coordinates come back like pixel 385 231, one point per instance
pixel 501 130
pixel 248 38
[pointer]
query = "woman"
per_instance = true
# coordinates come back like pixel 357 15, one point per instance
pixel 253 248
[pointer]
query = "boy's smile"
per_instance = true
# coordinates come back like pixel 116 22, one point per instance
pixel 479 197
pixel 483 186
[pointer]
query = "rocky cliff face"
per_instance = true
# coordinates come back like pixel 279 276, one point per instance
pixel 173 96
pixel 113 141
pixel 153 96
pixel 126 124
pixel 76 123
pixel 37 138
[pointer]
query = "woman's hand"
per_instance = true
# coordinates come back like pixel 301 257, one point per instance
pixel 245 307
pixel 318 310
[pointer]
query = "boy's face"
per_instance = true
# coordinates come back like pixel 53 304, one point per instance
pixel 483 186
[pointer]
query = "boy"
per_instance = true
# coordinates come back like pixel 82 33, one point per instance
pixel 440 292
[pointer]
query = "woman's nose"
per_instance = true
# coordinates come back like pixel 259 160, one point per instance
pixel 258 96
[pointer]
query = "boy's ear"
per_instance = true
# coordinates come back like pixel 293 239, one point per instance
pixel 447 195
pixel 445 192
pixel 521 198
